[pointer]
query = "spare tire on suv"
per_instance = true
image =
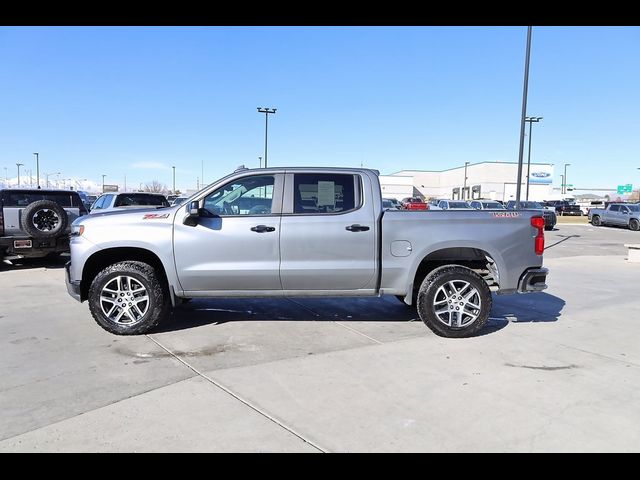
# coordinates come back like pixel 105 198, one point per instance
pixel 44 219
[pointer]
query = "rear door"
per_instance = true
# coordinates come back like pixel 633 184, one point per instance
pixel 612 215
pixel 328 233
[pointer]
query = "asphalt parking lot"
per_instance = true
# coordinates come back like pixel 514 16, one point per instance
pixel 554 371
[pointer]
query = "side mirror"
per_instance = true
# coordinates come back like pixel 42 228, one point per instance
pixel 194 212
pixel 194 209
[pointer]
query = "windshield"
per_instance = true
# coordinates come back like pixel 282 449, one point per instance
pixel 458 205
pixel 141 199
pixel 492 205
pixel 531 205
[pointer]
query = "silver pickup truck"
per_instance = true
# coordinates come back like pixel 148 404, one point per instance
pixel 287 232
pixel 621 214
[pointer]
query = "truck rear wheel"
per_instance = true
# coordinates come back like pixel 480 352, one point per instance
pixel 454 301
pixel 128 298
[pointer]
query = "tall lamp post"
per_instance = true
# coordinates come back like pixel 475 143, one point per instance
pixel 525 90
pixel 174 180
pixel 464 187
pixel 260 160
pixel 19 165
pixel 266 112
pixel 103 175
pixel 48 174
pixel 564 189
pixel 562 183
pixel 37 168
pixel 531 120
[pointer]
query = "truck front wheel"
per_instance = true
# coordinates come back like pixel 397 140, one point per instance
pixel 454 302
pixel 128 298
pixel 634 224
pixel 595 221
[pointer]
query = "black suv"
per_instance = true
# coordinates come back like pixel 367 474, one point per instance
pixel 550 218
pixel 563 207
pixel 36 223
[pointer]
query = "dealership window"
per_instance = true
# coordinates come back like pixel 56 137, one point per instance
pixel 475 191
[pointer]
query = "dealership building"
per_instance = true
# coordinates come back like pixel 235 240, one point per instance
pixel 490 180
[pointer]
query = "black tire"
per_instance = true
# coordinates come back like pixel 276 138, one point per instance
pixel 634 224
pixel 157 309
pixel 548 228
pixel 595 221
pixel 44 219
pixel 430 288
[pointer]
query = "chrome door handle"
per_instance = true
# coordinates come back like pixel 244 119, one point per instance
pixel 357 228
pixel 262 228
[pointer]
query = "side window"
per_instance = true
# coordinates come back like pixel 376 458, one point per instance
pixel 323 193
pixel 615 208
pixel 246 196
pixel 99 203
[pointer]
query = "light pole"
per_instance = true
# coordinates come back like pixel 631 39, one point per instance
pixel 103 175
pixel 37 168
pixel 530 120
pixel 464 187
pixel 47 175
pixel 524 112
pixel 260 159
pixel 564 189
pixel 266 111
pixel 562 184
pixel 174 180
pixel 19 165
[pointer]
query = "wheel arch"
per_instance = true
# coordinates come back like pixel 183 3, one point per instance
pixel 479 260
pixel 103 258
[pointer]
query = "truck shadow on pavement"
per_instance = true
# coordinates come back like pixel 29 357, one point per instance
pixel 533 307
pixel 538 307
pixel 52 262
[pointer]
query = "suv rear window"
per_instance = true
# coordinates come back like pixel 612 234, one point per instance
pixel 135 199
pixel 22 199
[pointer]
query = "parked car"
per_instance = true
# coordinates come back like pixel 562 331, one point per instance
pixel 452 205
pixel 486 205
pixel 414 203
pixel 394 202
pixel 563 207
pixel 302 232
pixel 621 214
pixel 37 223
pixel 550 218
pixel 118 201
pixel 179 200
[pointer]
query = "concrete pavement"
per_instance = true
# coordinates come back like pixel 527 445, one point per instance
pixel 555 371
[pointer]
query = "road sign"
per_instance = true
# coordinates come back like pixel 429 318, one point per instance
pixel 620 189
pixel 628 188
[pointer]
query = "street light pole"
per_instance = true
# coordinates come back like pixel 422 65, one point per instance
pixel 564 190
pixel 37 168
pixel 266 111
pixel 19 165
pixel 260 159
pixel 523 116
pixel 174 180
pixel 103 175
pixel 48 174
pixel 530 120
pixel 464 188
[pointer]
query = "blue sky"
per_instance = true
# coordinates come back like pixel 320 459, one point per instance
pixel 138 100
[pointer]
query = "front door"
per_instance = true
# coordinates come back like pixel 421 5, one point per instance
pixel 235 244
pixel 328 234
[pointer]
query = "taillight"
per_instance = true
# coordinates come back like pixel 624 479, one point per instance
pixel 538 222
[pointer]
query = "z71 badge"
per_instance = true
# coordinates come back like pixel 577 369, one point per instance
pixel 506 214
pixel 153 216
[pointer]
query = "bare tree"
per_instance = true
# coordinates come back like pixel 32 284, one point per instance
pixel 155 187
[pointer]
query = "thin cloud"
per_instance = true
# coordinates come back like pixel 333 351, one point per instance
pixel 151 166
